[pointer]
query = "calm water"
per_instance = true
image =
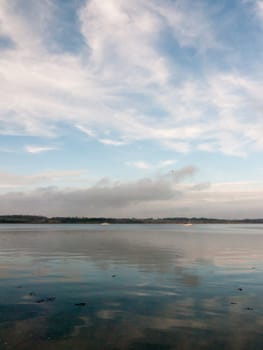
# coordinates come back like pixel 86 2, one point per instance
pixel 143 286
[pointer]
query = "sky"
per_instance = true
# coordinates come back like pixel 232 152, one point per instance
pixel 143 108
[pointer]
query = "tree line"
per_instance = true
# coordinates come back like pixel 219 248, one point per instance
pixel 38 219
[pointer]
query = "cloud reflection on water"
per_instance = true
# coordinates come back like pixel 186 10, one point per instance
pixel 173 288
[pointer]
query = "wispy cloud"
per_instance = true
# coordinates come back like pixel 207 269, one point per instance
pixel 86 130
pixel 151 166
pixel 166 163
pixel 139 164
pixel 191 23
pixel 112 142
pixel 106 84
pixel 39 149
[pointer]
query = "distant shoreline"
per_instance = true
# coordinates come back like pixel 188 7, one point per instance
pixel 36 219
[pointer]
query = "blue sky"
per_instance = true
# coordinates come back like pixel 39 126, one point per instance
pixel 142 108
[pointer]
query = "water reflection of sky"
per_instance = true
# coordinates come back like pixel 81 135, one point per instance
pixel 145 287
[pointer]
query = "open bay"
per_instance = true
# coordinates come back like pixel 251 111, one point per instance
pixel 131 287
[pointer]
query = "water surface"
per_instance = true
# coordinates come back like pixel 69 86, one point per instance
pixel 142 287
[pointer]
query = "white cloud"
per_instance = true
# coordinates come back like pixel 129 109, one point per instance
pixel 39 149
pixel 97 89
pixel 190 22
pixel 140 165
pixel 166 163
pixel 151 166
pixel 120 29
pixel 112 142
pixel 86 131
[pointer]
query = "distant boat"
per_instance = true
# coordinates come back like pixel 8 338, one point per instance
pixel 188 223
pixel 105 224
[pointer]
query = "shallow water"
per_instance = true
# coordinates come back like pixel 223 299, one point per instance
pixel 144 287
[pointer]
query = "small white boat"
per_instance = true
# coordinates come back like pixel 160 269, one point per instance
pixel 105 224
pixel 189 224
